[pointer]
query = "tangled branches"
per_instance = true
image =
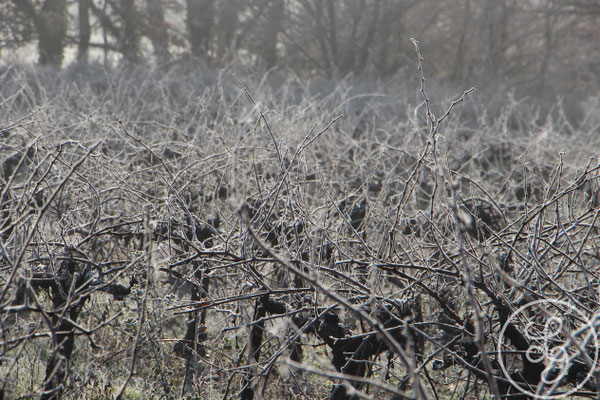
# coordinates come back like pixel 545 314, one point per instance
pixel 216 251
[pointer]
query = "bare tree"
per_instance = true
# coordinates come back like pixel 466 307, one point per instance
pixel 121 29
pixel 494 27
pixel 129 35
pixel 200 22
pixel 16 29
pixel 273 26
pixel 228 24
pixel 84 30
pixel 156 29
pixel 50 23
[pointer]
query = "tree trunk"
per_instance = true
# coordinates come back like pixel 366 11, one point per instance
pixel 316 11
pixel 130 33
pixel 84 30
pixel 332 30
pixel 367 45
pixel 228 24
pixel 458 73
pixel 52 30
pixel 51 26
pixel 496 18
pixel 199 22
pixel 274 25
pixel 156 29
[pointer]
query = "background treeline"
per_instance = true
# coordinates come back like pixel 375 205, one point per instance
pixel 542 48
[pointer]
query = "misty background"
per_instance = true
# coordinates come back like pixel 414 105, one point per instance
pixel 538 50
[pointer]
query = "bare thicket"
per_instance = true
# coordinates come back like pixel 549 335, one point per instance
pixel 219 236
